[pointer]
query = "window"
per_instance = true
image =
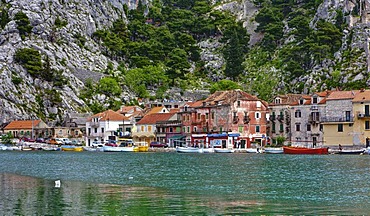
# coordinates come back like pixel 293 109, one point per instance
pixel 95 130
pixel 273 127
pixel 61 132
pixel 308 127
pixel 149 128
pixel 142 128
pixel 198 117
pixel 297 127
pixel 298 114
pixel 195 129
pixel 213 115
pixel 171 129
pixel 367 125
pixel 277 100
pixel 340 127
pixel 258 104
pixel 257 128
pixel 281 128
pixel 188 129
pixel 238 103
pixel 301 101
pixel 314 100
pixel 257 115
pixel 207 116
pixel 102 130
pixel 367 110
pixel 240 129
pixel 76 132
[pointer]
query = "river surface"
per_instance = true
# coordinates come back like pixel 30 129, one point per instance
pixel 101 183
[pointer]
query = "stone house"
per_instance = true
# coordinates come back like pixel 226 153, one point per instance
pixel 280 116
pixel 305 120
pixel 28 128
pixel 236 116
pixel 337 121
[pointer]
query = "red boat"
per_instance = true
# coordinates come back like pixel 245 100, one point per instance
pixel 303 150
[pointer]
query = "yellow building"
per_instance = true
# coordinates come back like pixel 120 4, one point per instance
pixel 361 126
pixel 338 122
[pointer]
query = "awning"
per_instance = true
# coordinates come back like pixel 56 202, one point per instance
pixel 177 137
pixel 217 135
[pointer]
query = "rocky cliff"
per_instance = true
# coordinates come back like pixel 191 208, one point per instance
pixel 69 49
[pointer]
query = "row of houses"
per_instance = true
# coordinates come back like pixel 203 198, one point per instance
pixel 228 119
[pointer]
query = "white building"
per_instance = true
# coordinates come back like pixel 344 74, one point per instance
pixel 104 126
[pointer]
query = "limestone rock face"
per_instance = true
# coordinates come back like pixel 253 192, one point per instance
pixel 60 45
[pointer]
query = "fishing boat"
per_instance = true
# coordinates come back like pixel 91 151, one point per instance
pixel 253 150
pixel 224 150
pixel 351 151
pixel 207 150
pixel 272 150
pixel 120 149
pixel 142 146
pixel 304 150
pixel 188 150
pixel 71 148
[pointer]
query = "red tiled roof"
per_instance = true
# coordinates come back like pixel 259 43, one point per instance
pixel 363 95
pixel 109 115
pixel 323 101
pixel 155 110
pixel 340 95
pixel 27 124
pixel 155 117
pixel 288 99
pixel 174 110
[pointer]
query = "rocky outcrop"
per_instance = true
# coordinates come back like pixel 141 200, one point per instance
pixel 78 61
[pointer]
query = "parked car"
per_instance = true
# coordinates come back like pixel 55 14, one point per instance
pixel 158 145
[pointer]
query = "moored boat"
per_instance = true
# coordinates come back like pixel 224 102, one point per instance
pixel 142 146
pixel 224 150
pixel 72 148
pixel 253 150
pixel 271 150
pixel 188 150
pixel 304 150
pixel 120 149
pixel 351 151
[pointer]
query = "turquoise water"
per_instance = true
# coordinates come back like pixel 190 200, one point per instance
pixel 98 183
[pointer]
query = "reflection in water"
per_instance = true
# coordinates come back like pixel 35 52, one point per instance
pixel 23 195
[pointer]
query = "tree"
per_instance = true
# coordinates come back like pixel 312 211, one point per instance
pixel 23 24
pixel 30 59
pixel 223 85
pixel 109 86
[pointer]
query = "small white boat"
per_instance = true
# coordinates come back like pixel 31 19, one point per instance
pixel 253 150
pixel 207 150
pixel 188 150
pixel 119 149
pixel 272 150
pixel 224 150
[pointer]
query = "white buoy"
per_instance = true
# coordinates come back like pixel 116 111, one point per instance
pixel 57 183
pixel 130 177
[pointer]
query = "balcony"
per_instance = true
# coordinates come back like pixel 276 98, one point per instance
pixel 95 135
pixel 337 119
